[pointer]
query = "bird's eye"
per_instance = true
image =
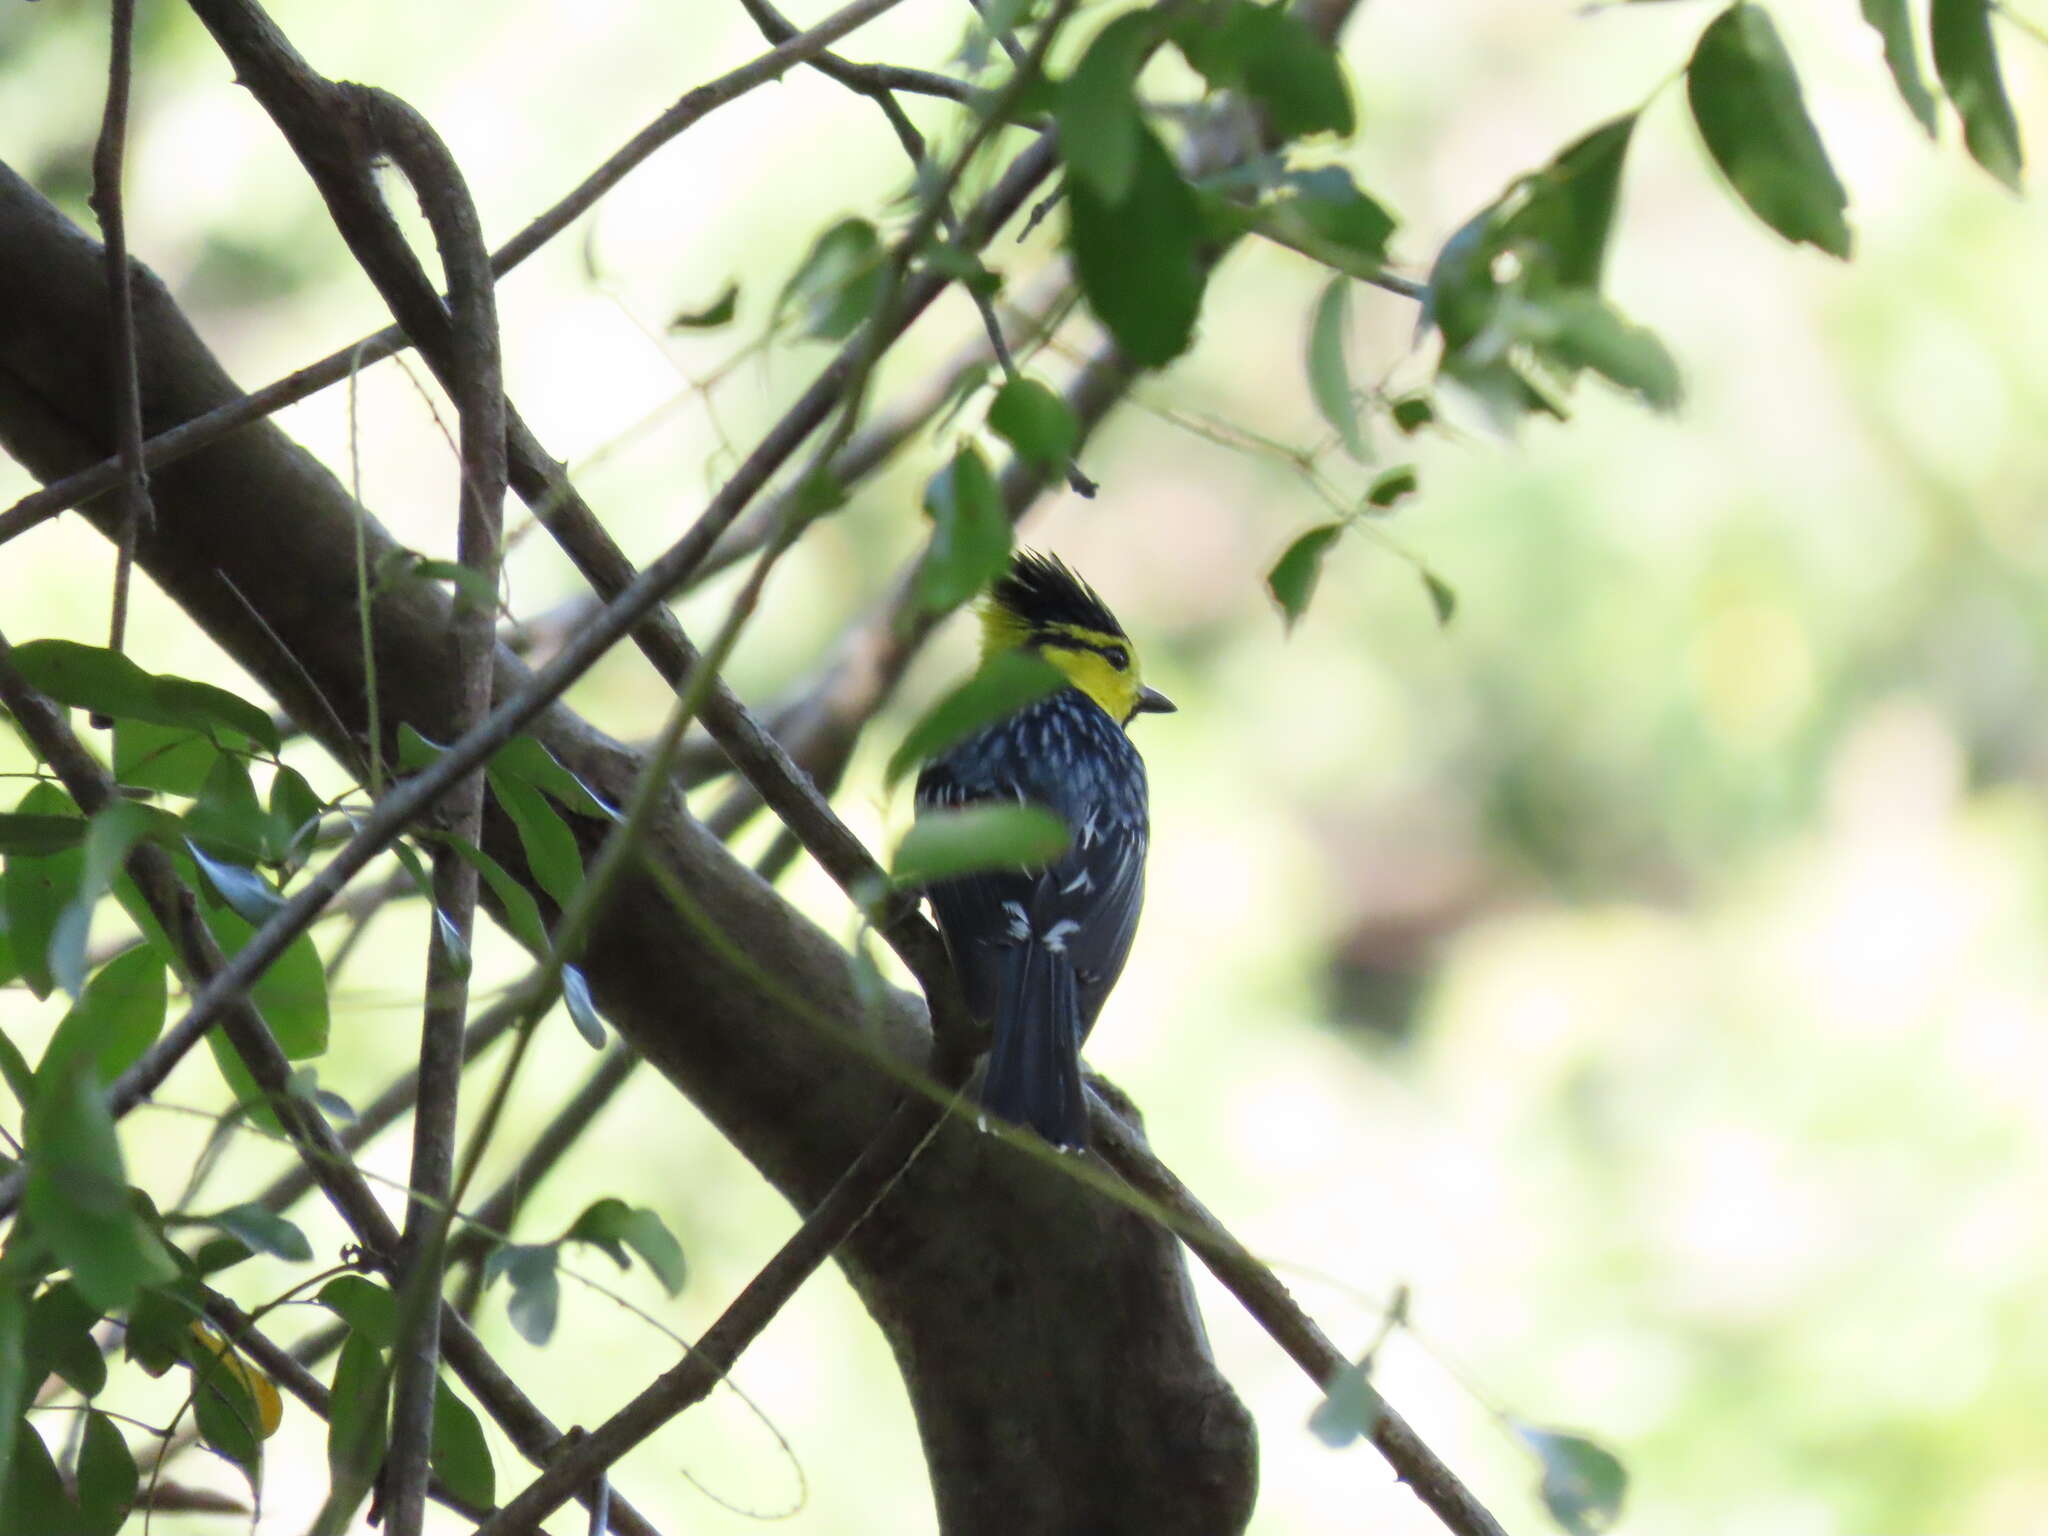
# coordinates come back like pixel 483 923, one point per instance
pixel 1117 657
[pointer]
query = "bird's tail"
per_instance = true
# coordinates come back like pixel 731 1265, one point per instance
pixel 1034 1071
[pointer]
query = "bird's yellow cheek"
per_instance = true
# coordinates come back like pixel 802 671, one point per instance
pixel 1115 691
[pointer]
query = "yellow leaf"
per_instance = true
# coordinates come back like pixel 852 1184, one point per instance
pixel 261 1389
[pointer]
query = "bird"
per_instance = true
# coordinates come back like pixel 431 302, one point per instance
pixel 1038 950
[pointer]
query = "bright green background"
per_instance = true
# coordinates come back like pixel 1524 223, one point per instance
pixel 1647 969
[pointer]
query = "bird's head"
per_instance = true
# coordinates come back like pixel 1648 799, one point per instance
pixel 1041 605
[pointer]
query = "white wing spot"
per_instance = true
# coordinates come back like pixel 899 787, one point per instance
pixel 1082 882
pixel 1086 832
pixel 1055 938
pixel 1020 923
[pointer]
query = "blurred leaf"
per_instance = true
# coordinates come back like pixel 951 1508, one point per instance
pixel 1035 421
pixel 551 850
pixel 33 1496
pixel 304 1083
pixel 109 837
pixel 1329 372
pixel 615 1226
pixel 837 283
pixel 1274 59
pixel 970 542
pixel 38 836
pixel 536 1288
pixel 1412 413
pixel 1894 23
pixel 34 891
pixel 1966 58
pixel 14 1067
pixel 1350 1409
pixel 965 268
pixel 1292 581
pixel 942 844
pixel 117 1018
pixel 261 1231
pixel 107 1479
pixel 460 1456
pixel 1581 330
pixel 582 1008
pixel 1005 684
pixel 368 1308
pixel 77 1192
pixel 109 683
pixel 295 813
pixel 228 820
pixel 1323 207
pixel 16 1388
pixel 59 1340
pixel 415 751
pixel 1137 258
pixel 357 1427
pixel 246 1396
pixel 1442 598
pixel 156 1337
pixel 170 758
pixel 1568 213
pixel 1097 109
pixel 473 585
pixel 1583 1483
pixel 1746 100
pixel 1392 486
pixel 718 312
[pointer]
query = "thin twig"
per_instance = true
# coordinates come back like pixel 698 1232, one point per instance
pixel 107 158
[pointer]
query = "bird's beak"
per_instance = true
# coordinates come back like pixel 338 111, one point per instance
pixel 1152 702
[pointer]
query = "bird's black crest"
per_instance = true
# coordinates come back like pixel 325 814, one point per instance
pixel 1043 590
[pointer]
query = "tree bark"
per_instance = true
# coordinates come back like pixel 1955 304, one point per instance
pixel 1049 1342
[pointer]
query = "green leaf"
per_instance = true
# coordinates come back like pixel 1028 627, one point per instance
pixel 970 543
pixel 1966 58
pixel 1894 23
pixel 112 833
pixel 1583 1483
pixel 536 1288
pixel 1292 581
pixel 1746 100
pixel 77 1192
pixel 525 759
pixel 415 751
pixel 59 1340
pixel 33 1497
pixel 615 1226
pixel 521 915
pixel 118 1017
pixel 1391 486
pixel 1412 413
pixel 291 994
pixel 295 813
pixel 170 758
pixel 1034 421
pixel 1097 108
pixel 836 285
pixel 228 820
pixel 1283 66
pixel 38 836
pixel 1324 208
pixel 16 1387
pixel 1351 1407
pixel 357 1426
pixel 261 1231
pixel 1581 330
pixel 14 1067
pixel 107 1478
pixel 1442 598
pixel 472 585
pixel 942 844
pixel 582 1009
pixel 368 1308
pixel 36 890
pixel 247 892
pixel 109 683
pixel 1329 370
pixel 1563 225
pixel 718 312
pixel 460 1456
pixel 159 1329
pixel 1138 258
pixel 551 850
pixel 1005 684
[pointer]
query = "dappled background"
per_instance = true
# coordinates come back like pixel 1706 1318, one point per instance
pixel 1644 969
